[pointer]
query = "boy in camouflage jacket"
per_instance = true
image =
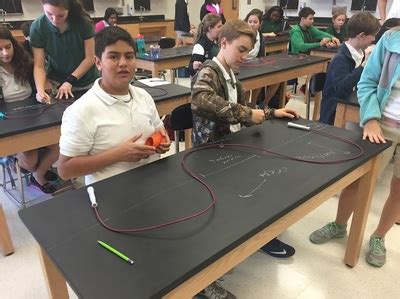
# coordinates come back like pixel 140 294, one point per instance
pixel 218 103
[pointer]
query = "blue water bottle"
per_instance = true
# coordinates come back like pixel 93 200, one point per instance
pixel 140 44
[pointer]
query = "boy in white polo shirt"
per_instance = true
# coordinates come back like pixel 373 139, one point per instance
pixel 103 133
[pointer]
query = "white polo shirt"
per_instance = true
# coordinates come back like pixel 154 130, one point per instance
pixel 12 89
pixel 98 122
pixel 232 91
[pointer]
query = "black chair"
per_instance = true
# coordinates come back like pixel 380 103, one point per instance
pixel 166 42
pixel 315 85
pixel 181 119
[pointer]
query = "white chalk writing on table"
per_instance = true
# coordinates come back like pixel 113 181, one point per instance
pixel 226 160
pixel 328 151
pixel 265 175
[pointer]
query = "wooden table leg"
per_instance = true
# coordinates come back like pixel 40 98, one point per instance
pixel 6 244
pixel 364 194
pixel 55 281
pixel 188 139
pixel 340 122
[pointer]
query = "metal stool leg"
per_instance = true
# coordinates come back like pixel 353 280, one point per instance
pixel 176 134
pixel 20 185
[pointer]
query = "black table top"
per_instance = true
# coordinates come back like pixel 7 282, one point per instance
pixel 168 53
pixel 164 92
pixel 276 39
pixel 352 100
pixel 29 115
pixel 276 63
pixel 252 192
pixel 327 50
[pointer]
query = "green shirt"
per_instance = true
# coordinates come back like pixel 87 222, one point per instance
pixel 302 41
pixel 64 51
pixel 342 35
pixel 268 26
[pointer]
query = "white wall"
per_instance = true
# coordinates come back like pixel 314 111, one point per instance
pixel 33 9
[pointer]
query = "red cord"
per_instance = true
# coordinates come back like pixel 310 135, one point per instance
pixel 211 192
pixel 44 109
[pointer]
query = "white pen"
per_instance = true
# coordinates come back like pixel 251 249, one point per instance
pixel 298 126
pixel 92 197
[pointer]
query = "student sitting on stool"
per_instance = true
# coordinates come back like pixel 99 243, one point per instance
pixel 305 37
pixel 16 82
pixel 103 133
pixel 344 71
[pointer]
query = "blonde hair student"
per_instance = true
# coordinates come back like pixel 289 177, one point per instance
pixel 338 28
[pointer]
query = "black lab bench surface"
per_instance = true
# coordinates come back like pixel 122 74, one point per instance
pixel 253 189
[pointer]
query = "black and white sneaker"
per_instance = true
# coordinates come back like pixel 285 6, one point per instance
pixel 278 249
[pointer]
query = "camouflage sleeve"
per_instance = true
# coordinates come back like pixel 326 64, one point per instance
pixel 208 104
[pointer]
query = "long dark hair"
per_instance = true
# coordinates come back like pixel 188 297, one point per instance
pixel 254 12
pixel 75 10
pixel 21 62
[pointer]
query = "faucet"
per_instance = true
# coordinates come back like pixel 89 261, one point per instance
pixel 3 16
pixel 142 9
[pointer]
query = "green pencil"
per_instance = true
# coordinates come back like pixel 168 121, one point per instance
pixel 116 252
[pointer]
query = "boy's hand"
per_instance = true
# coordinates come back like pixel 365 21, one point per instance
pixel 324 41
pixel 372 131
pixel 286 112
pixel 330 45
pixel 336 41
pixel 165 144
pixel 257 116
pixel 131 151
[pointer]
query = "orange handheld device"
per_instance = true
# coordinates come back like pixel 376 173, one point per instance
pixel 155 139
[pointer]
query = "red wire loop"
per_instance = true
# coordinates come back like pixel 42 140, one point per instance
pixel 211 192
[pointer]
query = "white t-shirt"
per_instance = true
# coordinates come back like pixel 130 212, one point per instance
pixel 254 52
pixel 13 90
pixel 394 11
pixel 392 108
pixel 98 122
pixel 356 55
pixel 232 90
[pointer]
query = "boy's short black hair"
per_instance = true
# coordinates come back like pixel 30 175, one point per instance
pixel 110 35
pixel 305 12
pixel 362 22
pixel 25 28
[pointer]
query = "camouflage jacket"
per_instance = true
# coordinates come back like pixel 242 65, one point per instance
pixel 212 112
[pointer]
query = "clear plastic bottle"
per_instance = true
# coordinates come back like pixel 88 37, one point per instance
pixel 140 44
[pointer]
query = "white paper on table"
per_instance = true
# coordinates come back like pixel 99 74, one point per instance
pixel 154 81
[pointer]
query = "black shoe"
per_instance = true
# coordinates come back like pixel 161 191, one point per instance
pixel 278 249
pixel 46 188
pixel 50 176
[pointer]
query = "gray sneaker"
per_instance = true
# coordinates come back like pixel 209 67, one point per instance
pixel 329 231
pixel 376 255
pixel 216 291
